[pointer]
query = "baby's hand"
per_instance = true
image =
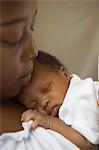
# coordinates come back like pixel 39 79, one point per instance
pixel 38 118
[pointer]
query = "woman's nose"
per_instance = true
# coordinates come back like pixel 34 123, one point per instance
pixel 30 50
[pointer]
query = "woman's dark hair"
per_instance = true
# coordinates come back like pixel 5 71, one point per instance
pixel 49 61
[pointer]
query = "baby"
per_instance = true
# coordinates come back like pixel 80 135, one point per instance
pixel 60 102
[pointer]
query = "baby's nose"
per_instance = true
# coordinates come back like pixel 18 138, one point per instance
pixel 41 110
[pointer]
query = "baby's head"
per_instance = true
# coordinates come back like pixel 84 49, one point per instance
pixel 48 86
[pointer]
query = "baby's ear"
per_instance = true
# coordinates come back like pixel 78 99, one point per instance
pixel 62 71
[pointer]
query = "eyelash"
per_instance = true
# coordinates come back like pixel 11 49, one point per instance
pixel 12 44
pixel 17 42
pixel 48 87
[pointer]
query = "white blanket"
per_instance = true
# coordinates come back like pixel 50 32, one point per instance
pixel 40 139
pixel 79 111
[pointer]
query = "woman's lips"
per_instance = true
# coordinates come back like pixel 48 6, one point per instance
pixel 24 80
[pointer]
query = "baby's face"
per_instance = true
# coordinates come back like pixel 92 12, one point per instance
pixel 45 92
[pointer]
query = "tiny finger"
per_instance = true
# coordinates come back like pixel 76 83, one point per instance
pixel 35 124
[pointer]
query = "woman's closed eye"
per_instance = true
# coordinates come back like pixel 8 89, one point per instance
pixel 12 44
pixel 16 43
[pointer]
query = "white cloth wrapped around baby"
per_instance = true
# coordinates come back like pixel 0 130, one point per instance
pixel 40 139
pixel 79 110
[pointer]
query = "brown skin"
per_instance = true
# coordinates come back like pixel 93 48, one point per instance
pixel 46 99
pixel 17 50
pixel 10 113
pixel 17 46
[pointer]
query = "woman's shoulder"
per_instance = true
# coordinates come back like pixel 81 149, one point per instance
pixel 10 114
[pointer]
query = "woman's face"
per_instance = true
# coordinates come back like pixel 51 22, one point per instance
pixel 17 46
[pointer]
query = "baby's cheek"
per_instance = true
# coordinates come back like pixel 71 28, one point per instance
pixel 29 105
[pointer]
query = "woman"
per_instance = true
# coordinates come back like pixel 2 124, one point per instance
pixel 17 50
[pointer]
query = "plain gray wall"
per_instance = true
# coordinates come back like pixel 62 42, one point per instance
pixel 70 31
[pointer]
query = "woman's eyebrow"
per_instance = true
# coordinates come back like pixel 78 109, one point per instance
pixel 19 20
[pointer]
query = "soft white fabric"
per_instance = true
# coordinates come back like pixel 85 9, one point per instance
pixel 40 139
pixel 80 108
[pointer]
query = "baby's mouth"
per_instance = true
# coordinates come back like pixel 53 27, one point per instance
pixel 55 111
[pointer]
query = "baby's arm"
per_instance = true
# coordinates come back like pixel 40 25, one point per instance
pixel 57 125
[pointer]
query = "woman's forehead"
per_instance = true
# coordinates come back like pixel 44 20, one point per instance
pixel 15 10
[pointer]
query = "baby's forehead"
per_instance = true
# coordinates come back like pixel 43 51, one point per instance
pixel 40 67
